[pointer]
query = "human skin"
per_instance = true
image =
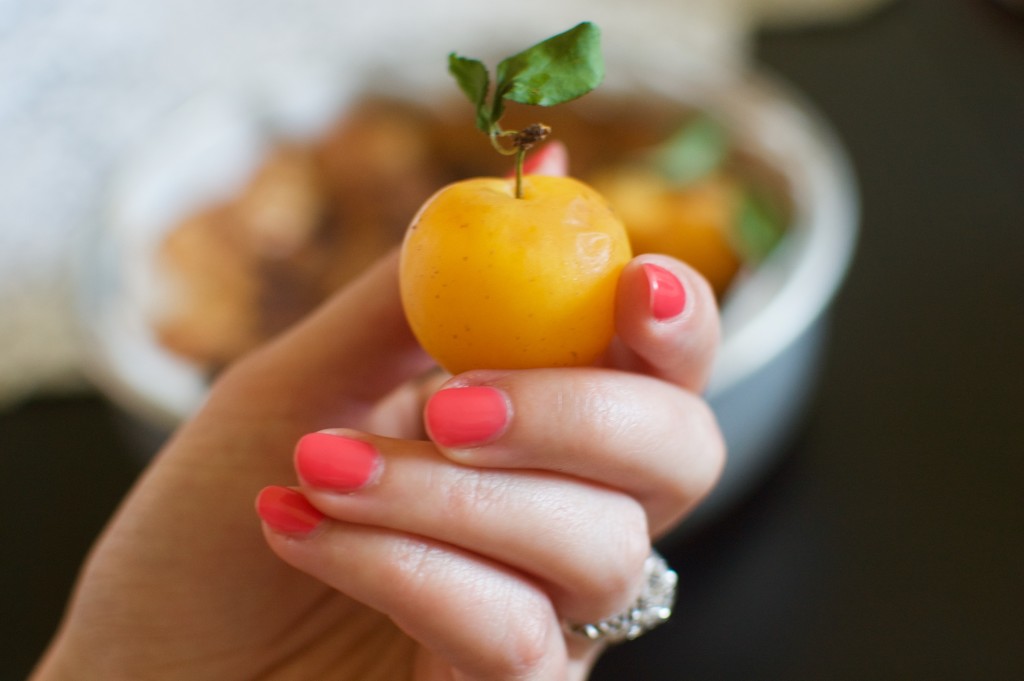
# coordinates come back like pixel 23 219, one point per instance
pixel 457 560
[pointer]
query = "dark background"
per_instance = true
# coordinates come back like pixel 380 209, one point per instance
pixel 889 543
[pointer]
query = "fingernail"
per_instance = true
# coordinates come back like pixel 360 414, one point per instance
pixel 462 417
pixel 287 511
pixel 667 294
pixel 335 462
pixel 551 159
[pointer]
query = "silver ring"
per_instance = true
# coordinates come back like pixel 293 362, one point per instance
pixel 652 608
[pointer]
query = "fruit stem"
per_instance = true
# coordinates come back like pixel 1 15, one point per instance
pixel 524 140
pixel 520 156
pixel 504 151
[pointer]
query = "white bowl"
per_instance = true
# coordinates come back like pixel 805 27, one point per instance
pixel 773 321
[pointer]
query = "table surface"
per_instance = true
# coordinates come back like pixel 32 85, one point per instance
pixel 888 543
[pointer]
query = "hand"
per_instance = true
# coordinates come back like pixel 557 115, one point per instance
pixel 454 558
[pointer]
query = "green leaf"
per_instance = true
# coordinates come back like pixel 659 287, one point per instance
pixel 471 75
pixel 759 226
pixel 695 151
pixel 556 70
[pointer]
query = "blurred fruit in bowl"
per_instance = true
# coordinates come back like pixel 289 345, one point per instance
pixel 219 261
pixel 308 219
pixel 312 216
pixel 691 223
pixel 689 199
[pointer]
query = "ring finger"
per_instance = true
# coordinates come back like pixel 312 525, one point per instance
pixel 585 543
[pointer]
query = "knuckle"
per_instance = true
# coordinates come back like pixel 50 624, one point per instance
pixel 514 645
pixel 622 412
pixel 711 452
pixel 635 545
pixel 623 552
pixel 410 567
pixel 526 646
pixel 582 404
pixel 469 493
pixel 702 457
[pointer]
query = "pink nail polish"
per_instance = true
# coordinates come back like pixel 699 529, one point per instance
pixel 462 417
pixel 287 511
pixel 335 462
pixel 667 294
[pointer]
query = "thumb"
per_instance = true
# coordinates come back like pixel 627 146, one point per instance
pixel 351 351
pixel 667 322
